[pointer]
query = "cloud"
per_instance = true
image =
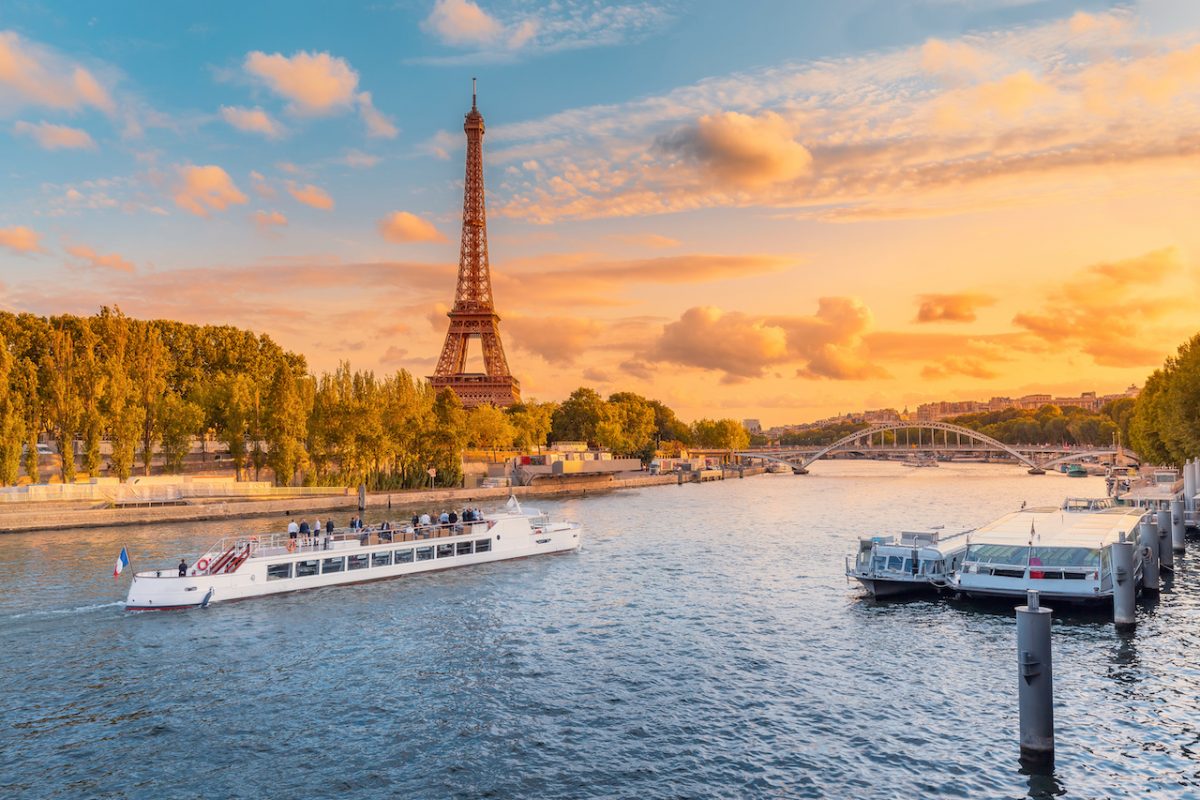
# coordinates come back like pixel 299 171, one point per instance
pixel 311 195
pixel 638 369
pixel 461 22
pixel 951 307
pixel 21 240
pixel 55 137
pixel 741 150
pixel 596 282
pixel 95 260
pixel 828 344
pixel 394 355
pixel 358 159
pixel 1109 310
pixel 204 189
pixel 970 367
pixel 268 220
pixel 954 61
pixel 402 227
pixel 252 120
pixel 646 240
pixel 378 124
pixel 31 74
pixel 1031 113
pixel 559 340
pixel 316 84
pixel 519 29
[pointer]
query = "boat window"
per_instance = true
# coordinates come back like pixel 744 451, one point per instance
pixel 279 572
pixel 483 545
pixel 381 559
pixel 404 556
pixel 895 562
pixel 359 561
pixel 445 550
pixel 1067 556
pixel 998 554
pixel 463 548
pixel 333 565
pixel 424 553
pixel 907 565
pixel 306 568
pixel 878 563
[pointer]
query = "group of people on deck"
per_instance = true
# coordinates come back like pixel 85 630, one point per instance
pixel 318 535
pixel 424 524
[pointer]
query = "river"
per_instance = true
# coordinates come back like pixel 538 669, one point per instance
pixel 703 643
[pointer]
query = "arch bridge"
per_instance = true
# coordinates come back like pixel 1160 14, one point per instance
pixel 1037 458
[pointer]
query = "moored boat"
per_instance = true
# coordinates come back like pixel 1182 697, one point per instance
pixel 914 561
pixel 1065 552
pixel 254 566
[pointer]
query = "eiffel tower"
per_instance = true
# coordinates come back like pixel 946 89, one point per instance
pixel 474 314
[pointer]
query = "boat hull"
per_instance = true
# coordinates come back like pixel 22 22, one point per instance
pixel 882 589
pixel 166 591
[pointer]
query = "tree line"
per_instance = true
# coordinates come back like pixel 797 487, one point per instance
pixel 146 388
pixel 1165 424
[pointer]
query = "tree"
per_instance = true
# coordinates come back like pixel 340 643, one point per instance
pixel 63 407
pixel 120 405
pixel 230 402
pixel 721 434
pixel 489 427
pixel 148 366
pixel 532 421
pixel 577 418
pixel 627 426
pixel 26 388
pixel 178 420
pixel 286 425
pixel 12 425
pixel 448 437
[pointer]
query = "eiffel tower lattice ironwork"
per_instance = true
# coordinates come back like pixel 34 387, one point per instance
pixel 474 314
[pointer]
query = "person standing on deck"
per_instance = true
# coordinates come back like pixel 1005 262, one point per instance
pixel 182 568
pixel 329 526
pixel 293 529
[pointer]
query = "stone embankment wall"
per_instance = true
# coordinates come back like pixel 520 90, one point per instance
pixel 35 517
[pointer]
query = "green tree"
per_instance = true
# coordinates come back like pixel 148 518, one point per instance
pixel 627 426
pixel 532 421
pixel 148 368
pixel 448 437
pixel 286 425
pixel 489 427
pixel 178 420
pixel 577 418
pixel 12 424
pixel 63 407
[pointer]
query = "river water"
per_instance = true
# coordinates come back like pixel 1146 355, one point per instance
pixel 703 643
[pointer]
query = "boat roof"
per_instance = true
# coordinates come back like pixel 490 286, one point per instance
pixel 1054 527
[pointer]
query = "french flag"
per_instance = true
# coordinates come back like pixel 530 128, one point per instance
pixel 122 562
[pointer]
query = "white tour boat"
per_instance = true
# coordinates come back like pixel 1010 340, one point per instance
pixel 1065 553
pixel 254 566
pixel 915 561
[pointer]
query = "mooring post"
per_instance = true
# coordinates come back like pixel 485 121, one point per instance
pixel 1124 586
pixel 1177 529
pixel 1166 557
pixel 1035 681
pixel 1148 541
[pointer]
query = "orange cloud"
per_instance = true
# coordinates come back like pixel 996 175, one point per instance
pixel 315 83
pixel 35 75
pixel 401 227
pixel 647 240
pixel 559 340
pixel 954 61
pixel 740 150
pixel 55 137
pixel 970 367
pixel 378 125
pixel 94 260
pixel 311 195
pixel 461 22
pixel 951 307
pixel 204 189
pixel 828 344
pixel 267 220
pixel 21 240
pixel 252 120
pixel 1108 310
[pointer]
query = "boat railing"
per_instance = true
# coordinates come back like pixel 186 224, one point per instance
pixel 273 544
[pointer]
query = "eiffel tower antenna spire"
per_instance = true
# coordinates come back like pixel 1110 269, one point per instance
pixel 473 315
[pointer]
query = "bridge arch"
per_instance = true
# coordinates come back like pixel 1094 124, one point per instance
pixel 1069 457
pixel 844 443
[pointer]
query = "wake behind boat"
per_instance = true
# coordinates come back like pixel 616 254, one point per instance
pixel 238 568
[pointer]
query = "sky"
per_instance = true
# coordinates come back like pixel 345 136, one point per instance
pixel 779 210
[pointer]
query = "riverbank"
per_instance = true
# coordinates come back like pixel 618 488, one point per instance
pixel 64 517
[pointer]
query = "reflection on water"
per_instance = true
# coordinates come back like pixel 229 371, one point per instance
pixel 704 642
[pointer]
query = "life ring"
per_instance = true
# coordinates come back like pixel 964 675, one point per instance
pixel 202 564
pixel 291 545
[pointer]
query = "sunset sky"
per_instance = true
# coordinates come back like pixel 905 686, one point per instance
pixel 780 210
